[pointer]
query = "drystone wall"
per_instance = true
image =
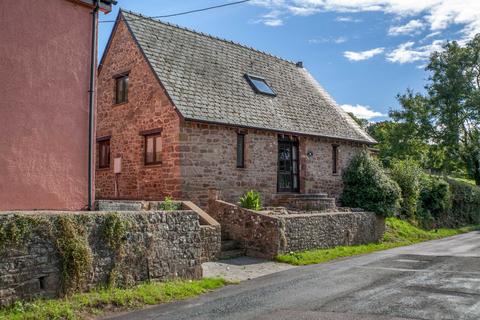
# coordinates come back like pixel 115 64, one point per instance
pixel 326 230
pixel 267 234
pixel 48 254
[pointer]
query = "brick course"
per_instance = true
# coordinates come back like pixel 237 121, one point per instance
pixel 195 156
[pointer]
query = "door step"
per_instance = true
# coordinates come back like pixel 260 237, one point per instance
pixel 230 254
pixel 231 249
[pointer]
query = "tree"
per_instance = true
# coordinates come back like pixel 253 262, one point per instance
pixel 363 123
pixel 447 120
pixel 396 140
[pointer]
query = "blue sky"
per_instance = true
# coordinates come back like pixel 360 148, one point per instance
pixel 363 52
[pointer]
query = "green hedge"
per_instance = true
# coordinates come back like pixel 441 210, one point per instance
pixel 465 204
pixel 434 203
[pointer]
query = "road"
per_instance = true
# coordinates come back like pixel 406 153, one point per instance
pixel 432 280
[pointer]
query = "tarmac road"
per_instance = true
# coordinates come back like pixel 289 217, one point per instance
pixel 432 280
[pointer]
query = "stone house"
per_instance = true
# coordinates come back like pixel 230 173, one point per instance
pixel 180 112
pixel 45 50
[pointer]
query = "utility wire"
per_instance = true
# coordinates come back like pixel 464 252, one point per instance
pixel 185 12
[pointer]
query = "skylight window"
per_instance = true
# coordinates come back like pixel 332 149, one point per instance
pixel 260 85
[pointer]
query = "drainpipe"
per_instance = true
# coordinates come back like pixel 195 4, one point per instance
pixel 91 103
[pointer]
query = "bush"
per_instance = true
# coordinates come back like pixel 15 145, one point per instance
pixel 465 204
pixel 434 202
pixel 407 174
pixel 169 205
pixel 367 186
pixel 251 200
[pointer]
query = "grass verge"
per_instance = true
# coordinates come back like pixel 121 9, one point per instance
pixel 398 233
pixel 95 303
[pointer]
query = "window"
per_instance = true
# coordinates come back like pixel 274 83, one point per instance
pixel 240 150
pixel 334 159
pixel 153 149
pixel 121 88
pixel 104 153
pixel 260 85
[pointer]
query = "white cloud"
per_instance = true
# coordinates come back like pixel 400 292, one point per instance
pixel 433 34
pixel 271 19
pixel 407 53
pixel 347 19
pixel 328 40
pixel 362 55
pixel 437 15
pixel 273 22
pixel 303 11
pixel 412 27
pixel 363 112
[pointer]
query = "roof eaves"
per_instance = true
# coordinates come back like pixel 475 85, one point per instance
pixel 300 133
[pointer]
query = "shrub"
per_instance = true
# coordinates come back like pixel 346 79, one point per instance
pixel 251 200
pixel 465 204
pixel 407 174
pixel 434 202
pixel 367 186
pixel 169 205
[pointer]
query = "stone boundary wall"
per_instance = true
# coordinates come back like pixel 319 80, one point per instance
pixel 210 229
pixel 258 233
pixel 326 230
pixel 265 236
pixel 157 245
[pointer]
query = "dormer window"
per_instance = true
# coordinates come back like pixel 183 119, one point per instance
pixel 259 85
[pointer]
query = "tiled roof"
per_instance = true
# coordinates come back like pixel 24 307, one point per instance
pixel 204 77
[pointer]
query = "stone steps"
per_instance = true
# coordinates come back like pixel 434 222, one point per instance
pixel 230 254
pixel 316 202
pixel 231 249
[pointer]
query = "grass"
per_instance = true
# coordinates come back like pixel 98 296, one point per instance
pixel 465 180
pixel 398 233
pixel 95 303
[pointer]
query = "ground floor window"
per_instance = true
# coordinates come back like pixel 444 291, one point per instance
pixel 335 159
pixel 153 149
pixel 103 153
pixel 240 150
pixel 288 165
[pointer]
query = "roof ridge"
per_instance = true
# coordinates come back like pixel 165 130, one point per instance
pixel 206 35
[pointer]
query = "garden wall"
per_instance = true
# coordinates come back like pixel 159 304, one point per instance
pixel 210 230
pixel 266 235
pixel 122 248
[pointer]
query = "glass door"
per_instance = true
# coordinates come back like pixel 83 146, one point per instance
pixel 288 168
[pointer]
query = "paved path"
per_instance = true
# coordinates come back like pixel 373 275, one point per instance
pixel 432 280
pixel 243 268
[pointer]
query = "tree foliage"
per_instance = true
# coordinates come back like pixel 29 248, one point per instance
pixel 441 129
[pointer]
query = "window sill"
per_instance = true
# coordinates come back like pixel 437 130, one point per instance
pixel 103 169
pixel 120 104
pixel 153 165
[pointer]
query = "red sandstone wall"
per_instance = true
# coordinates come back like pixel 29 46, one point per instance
pixel 147 108
pixel 209 161
pixel 44 70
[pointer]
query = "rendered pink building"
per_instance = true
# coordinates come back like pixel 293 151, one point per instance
pixel 45 68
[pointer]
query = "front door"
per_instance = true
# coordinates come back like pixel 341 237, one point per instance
pixel 287 180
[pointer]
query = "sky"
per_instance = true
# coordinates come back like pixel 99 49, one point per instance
pixel 363 52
